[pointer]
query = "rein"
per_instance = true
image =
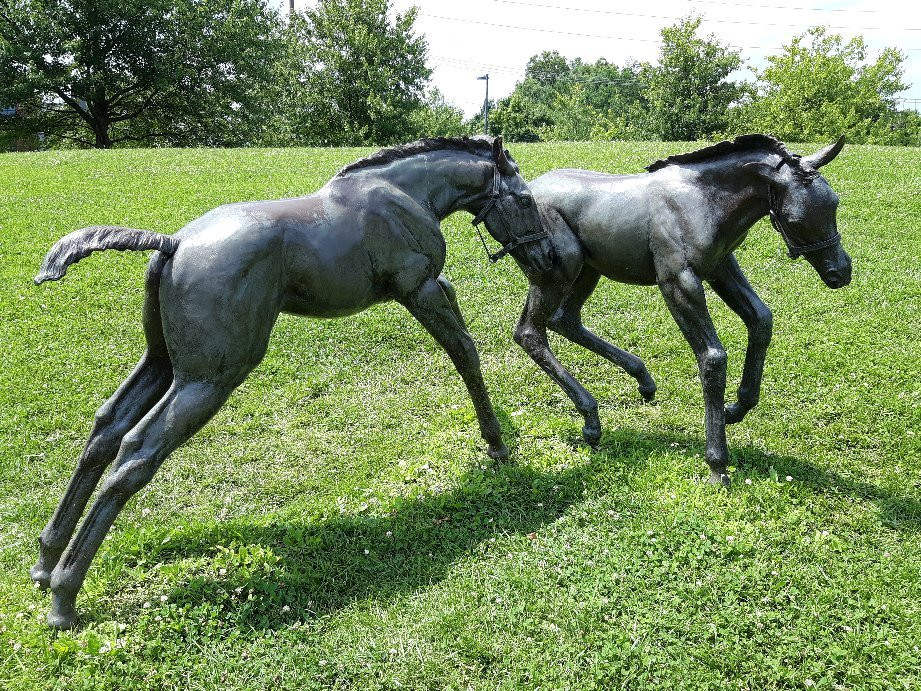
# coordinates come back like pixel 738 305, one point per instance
pixel 794 250
pixel 494 202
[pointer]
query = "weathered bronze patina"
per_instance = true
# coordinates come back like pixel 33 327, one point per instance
pixel 215 289
pixel 676 226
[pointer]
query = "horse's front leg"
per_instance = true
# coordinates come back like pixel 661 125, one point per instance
pixel 684 295
pixel 731 285
pixel 438 312
pixel 531 334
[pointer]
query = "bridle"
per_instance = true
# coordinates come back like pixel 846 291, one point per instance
pixel 794 250
pixel 495 201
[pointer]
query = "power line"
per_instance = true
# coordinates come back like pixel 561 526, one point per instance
pixel 544 77
pixel 584 35
pixel 707 19
pixel 784 7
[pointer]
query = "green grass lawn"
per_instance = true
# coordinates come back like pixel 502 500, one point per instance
pixel 338 524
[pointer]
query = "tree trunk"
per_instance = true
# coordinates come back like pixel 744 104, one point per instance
pixel 101 130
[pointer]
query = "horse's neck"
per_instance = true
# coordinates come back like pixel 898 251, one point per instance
pixel 742 197
pixel 443 181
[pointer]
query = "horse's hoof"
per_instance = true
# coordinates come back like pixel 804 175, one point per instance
pixel 41 577
pixel 734 413
pixel 720 478
pixel 62 616
pixel 498 452
pixel 592 436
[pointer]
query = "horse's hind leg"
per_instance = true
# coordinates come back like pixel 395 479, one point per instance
pixel 122 411
pixel 531 335
pixel 434 309
pixel 177 416
pixel 133 399
pixel 451 294
pixel 568 323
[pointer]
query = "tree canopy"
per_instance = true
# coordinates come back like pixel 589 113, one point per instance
pixel 820 86
pixel 101 72
pixel 353 72
pixel 352 75
pixel 688 92
pixel 562 99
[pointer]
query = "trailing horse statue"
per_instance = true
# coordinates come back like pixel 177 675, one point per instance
pixel 215 289
pixel 677 226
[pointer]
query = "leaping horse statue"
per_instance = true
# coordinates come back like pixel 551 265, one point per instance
pixel 676 226
pixel 215 289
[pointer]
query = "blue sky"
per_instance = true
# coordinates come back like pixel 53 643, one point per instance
pixel 467 38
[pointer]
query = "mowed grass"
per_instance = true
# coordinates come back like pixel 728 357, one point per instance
pixel 339 525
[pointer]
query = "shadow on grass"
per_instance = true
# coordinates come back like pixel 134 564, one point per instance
pixel 326 564
pixel 896 511
pixel 317 567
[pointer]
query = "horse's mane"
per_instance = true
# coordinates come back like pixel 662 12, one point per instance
pixel 742 143
pixel 481 146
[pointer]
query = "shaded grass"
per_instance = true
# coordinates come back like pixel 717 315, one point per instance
pixel 339 525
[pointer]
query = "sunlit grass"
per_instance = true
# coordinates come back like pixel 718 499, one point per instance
pixel 338 524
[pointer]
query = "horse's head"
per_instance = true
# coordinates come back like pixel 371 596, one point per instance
pixel 511 214
pixel 803 208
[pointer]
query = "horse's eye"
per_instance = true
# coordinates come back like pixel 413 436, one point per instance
pixel 524 202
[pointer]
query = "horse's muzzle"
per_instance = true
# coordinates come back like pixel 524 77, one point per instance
pixel 837 277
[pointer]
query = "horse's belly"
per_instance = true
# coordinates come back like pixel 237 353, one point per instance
pixel 621 255
pixel 331 289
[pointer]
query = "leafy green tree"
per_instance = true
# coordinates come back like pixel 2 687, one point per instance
pixel 102 72
pixel 820 87
pixel 531 108
pixel 438 118
pixel 353 75
pixel 561 99
pixel 688 92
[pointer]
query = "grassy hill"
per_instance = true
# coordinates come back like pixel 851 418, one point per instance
pixel 338 524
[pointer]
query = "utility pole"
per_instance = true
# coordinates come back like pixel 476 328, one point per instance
pixel 291 8
pixel 486 104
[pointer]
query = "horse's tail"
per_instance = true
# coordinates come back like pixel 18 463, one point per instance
pixel 81 243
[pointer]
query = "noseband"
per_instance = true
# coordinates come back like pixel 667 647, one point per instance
pixel 794 250
pixel 494 201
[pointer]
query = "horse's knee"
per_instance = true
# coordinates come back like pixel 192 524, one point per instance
pixel 447 287
pixel 130 476
pixel 712 361
pixel 528 338
pixel 565 322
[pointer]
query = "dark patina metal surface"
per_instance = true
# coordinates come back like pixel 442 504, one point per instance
pixel 215 289
pixel 676 226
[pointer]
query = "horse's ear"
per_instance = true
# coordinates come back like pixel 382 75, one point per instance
pixel 498 153
pixel 763 171
pixel 826 155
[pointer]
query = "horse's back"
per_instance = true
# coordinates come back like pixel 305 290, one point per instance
pixel 611 216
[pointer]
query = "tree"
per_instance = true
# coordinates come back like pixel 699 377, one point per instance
pixel 353 76
pixel 688 94
pixel 438 118
pixel 101 72
pixel 561 99
pixel 820 87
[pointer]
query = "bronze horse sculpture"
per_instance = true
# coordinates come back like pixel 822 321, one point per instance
pixel 676 226
pixel 215 289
